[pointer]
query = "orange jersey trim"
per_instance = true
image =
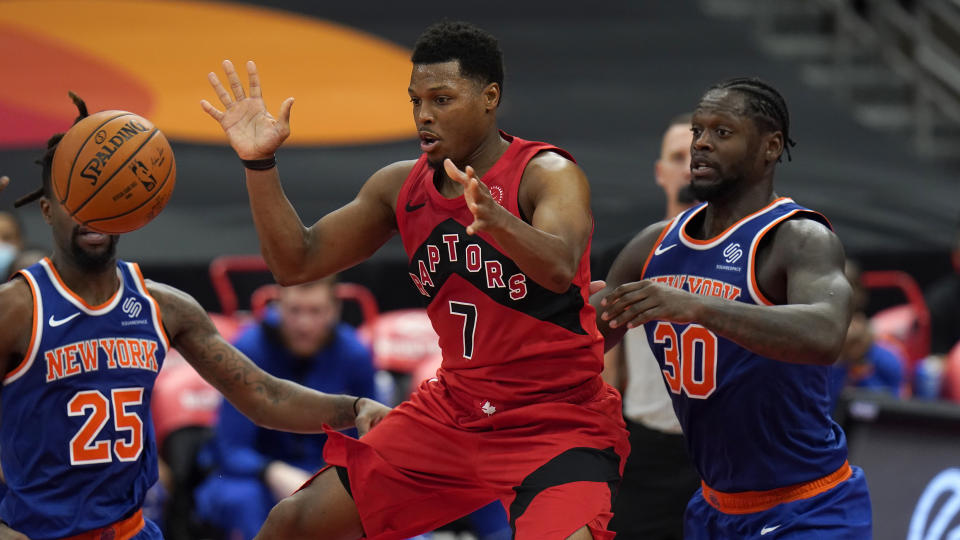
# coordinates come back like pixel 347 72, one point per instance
pixel 34 331
pixel 726 231
pixel 754 285
pixel 749 502
pixel 125 529
pixel 161 329
pixel 75 296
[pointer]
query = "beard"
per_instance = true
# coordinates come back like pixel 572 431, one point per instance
pixel 93 262
pixel 685 195
pixel 725 185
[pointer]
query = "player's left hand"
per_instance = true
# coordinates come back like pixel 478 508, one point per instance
pixel 487 213
pixel 369 414
pixel 633 304
pixel 4 182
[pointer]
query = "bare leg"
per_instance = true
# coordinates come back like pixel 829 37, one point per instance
pixel 321 510
pixel 583 533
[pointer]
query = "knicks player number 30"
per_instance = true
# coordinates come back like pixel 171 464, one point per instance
pixel 84 448
pixel 695 347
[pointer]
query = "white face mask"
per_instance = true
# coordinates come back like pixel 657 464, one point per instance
pixel 8 252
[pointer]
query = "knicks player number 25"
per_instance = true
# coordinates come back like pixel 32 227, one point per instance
pixel 695 347
pixel 84 448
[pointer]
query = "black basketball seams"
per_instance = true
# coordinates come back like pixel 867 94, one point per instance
pixel 120 168
pixel 141 205
pixel 73 164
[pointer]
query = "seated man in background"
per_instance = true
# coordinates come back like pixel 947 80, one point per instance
pixel 301 339
pixel 864 361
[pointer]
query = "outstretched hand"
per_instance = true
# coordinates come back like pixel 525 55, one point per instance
pixel 251 130
pixel 487 213
pixel 4 182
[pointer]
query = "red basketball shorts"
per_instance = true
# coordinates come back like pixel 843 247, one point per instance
pixel 554 465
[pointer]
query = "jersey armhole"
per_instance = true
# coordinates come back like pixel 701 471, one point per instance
pixel 669 227
pixel 36 331
pixel 403 196
pixel 158 325
pixel 752 283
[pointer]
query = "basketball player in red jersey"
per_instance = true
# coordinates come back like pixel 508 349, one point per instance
pixel 497 231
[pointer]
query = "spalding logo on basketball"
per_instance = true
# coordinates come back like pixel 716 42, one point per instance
pixel 113 171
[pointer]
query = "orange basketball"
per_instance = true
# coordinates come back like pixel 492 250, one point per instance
pixel 113 171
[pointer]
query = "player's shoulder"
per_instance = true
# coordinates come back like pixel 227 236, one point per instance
pixel 385 184
pixel 645 240
pixel 172 301
pixel 16 299
pixel 629 262
pixel 550 163
pixel 397 169
pixel 804 236
pixel 16 310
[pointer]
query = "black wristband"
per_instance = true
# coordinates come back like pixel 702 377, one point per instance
pixel 260 164
pixel 355 406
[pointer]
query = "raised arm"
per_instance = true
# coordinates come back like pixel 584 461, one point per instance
pixel 810 325
pixel 267 400
pixel 549 248
pixel 296 253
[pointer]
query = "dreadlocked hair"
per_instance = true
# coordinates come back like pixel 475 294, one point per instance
pixel 46 162
pixel 764 104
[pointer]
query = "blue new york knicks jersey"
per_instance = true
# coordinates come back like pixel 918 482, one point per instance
pixel 76 438
pixel 751 423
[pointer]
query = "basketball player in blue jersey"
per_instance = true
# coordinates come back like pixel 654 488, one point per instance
pixel 82 337
pixel 746 305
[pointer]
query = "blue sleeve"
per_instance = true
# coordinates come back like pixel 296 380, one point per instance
pixel 236 435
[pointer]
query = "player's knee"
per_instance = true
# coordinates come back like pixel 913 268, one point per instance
pixel 285 521
pixel 582 534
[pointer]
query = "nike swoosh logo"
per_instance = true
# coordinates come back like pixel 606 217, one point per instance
pixel 765 530
pixel 661 250
pixel 55 323
pixel 410 208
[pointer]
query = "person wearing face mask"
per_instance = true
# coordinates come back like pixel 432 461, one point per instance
pixel 11 240
pixel 300 338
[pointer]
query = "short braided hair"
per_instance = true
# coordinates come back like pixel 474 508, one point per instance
pixel 46 161
pixel 764 104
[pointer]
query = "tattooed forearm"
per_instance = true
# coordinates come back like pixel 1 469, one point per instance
pixel 267 400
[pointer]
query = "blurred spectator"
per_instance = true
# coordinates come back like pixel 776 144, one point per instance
pixel 25 259
pixel 11 240
pixel 943 300
pixel 659 478
pixel 865 362
pixel 303 340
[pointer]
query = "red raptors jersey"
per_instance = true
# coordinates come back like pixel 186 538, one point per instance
pixel 504 337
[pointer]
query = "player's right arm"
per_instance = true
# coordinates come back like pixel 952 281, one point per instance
pixel 16 316
pixel 296 253
pixel 269 401
pixel 626 268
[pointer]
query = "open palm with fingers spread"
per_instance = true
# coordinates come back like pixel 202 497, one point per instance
pixel 487 213
pixel 251 130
